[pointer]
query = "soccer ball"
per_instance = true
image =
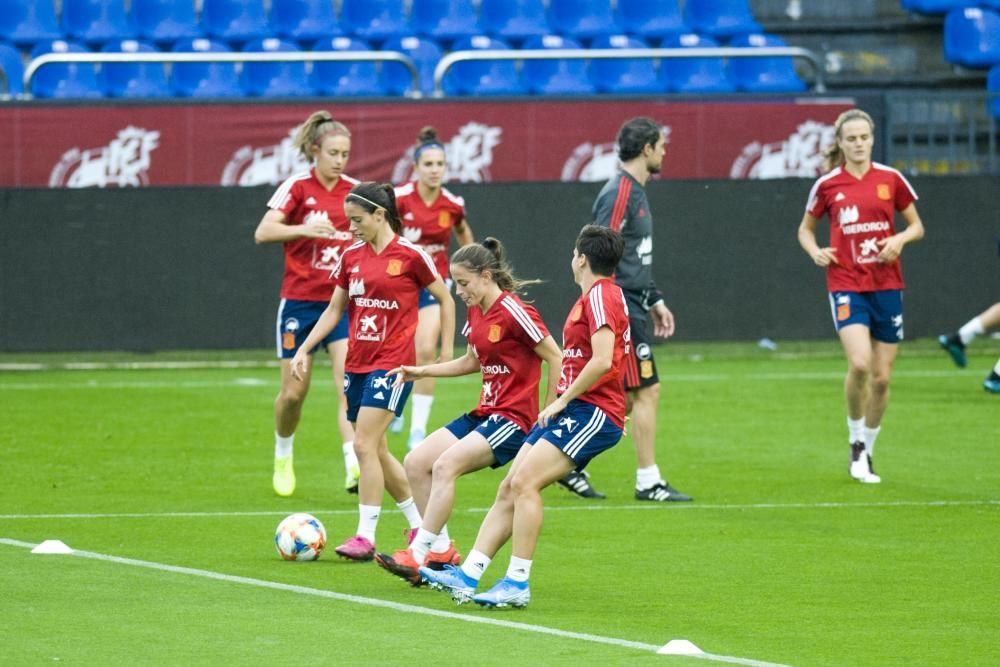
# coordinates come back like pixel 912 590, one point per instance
pixel 300 536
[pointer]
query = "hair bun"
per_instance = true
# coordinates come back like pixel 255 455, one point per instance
pixel 428 135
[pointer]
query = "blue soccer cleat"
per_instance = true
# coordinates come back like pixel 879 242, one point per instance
pixel 452 580
pixel 505 593
pixel 992 383
pixel 955 349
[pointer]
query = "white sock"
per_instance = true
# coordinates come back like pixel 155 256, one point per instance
pixel 855 430
pixel 420 412
pixel 996 369
pixel 421 544
pixel 475 564
pixel 368 521
pixel 870 435
pixel 519 569
pixel 350 458
pixel 443 540
pixel 283 446
pixel 410 511
pixel 646 478
pixel 972 328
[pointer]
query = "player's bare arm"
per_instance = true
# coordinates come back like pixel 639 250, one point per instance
pixel 440 292
pixel 807 239
pixel 467 364
pixel 272 229
pixel 892 247
pixel 463 234
pixel 324 325
pixel 549 352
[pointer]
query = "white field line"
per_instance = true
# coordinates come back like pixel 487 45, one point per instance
pixel 596 507
pixel 386 604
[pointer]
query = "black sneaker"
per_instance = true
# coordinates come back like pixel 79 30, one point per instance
pixel 663 493
pixel 955 349
pixel 578 482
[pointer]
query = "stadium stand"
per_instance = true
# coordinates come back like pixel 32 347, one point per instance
pixel 304 20
pixel 345 79
pixel 555 77
pixel 13 69
pixel 763 75
pixel 96 21
pixel 443 20
pixel 651 20
pixel 165 21
pixel 374 20
pixel 234 21
pixel 64 80
pixel 720 19
pixel 484 77
pixel 133 80
pixel 204 79
pixel 693 75
pixel 425 54
pixel 627 76
pixel 972 37
pixel 934 6
pixel 513 20
pixel 28 22
pixel 582 19
pixel 993 89
pixel 281 79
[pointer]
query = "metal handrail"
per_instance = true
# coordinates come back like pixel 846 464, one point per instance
pixel 5 83
pixel 618 54
pixel 226 57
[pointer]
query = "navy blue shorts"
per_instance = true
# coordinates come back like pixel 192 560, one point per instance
pixel 374 390
pixel 296 320
pixel 505 437
pixel 881 312
pixel 581 431
pixel 427 299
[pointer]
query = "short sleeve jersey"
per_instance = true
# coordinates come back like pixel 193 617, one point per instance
pixel 383 291
pixel 862 211
pixel 430 226
pixel 504 340
pixel 308 262
pixel 602 306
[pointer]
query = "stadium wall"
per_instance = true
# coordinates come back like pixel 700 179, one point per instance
pixel 176 268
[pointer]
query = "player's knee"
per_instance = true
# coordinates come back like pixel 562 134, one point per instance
pixel 444 470
pixel 416 464
pixel 292 397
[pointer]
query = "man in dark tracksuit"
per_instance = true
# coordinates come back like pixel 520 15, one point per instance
pixel 623 206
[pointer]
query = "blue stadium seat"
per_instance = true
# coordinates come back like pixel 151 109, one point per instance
pixel 693 75
pixel 28 22
pixel 934 6
pixel 96 21
pixel 204 79
pixel 165 21
pixel 972 37
pixel 555 77
pixel 304 20
pixel 993 89
pixel 513 20
pixel 425 54
pixel 720 19
pixel 482 77
pixel 133 79
pixel 275 79
pixel 651 19
pixel 374 20
pixel 345 79
pixel 13 69
pixel 623 77
pixel 58 80
pixel 443 20
pixel 234 21
pixel 582 19
pixel 763 75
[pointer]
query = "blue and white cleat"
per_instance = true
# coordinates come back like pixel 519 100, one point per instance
pixel 452 580
pixel 505 593
pixel 396 425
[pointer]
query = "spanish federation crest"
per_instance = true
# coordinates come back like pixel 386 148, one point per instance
pixel 394 268
pixel 494 334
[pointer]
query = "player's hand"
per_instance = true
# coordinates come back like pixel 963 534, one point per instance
pixel 406 374
pixel 825 256
pixel 663 320
pixel 300 365
pixel 550 411
pixel 322 229
pixel 892 247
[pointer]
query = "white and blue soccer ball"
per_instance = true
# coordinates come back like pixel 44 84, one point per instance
pixel 300 536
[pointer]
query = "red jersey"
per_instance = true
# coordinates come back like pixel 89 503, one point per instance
pixel 430 226
pixel 504 339
pixel 383 291
pixel 602 306
pixel 308 262
pixel 861 212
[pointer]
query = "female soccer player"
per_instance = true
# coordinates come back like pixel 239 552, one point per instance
pixel 507 342
pixel 863 274
pixel 585 420
pixel 377 281
pixel 306 214
pixel 430 214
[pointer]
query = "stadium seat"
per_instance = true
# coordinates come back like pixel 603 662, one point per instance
pixel 555 77
pixel 623 77
pixel 204 79
pixel 443 20
pixel 425 54
pixel 96 21
pixel 234 21
pixel 374 20
pixel 582 19
pixel 304 20
pixel 345 79
pixel 993 90
pixel 133 79
pixel 513 20
pixel 165 21
pixel 972 37
pixel 693 75
pixel 482 77
pixel 651 19
pixel 720 19
pixel 13 69
pixel 64 80
pixel 763 75
pixel 28 22
pixel 285 79
pixel 934 6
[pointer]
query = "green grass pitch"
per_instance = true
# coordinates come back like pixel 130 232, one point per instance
pixel 162 477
